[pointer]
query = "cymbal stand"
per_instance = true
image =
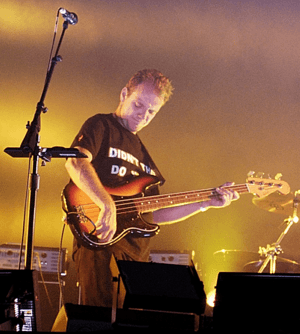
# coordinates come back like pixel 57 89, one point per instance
pixel 272 251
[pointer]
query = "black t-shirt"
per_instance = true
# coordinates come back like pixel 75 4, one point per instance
pixel 119 156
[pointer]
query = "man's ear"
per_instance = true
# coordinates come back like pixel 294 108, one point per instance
pixel 123 94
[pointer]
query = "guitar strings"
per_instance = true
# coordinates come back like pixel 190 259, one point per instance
pixel 149 203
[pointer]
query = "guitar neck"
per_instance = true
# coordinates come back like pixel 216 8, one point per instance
pixel 152 203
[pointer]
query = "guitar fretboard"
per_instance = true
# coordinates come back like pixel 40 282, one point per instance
pixel 151 203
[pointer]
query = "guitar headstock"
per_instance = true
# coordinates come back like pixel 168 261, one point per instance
pixel 262 187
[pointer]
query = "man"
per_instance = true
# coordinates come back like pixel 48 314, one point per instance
pixel 115 154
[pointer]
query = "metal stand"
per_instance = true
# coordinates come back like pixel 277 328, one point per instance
pixel 30 148
pixel 272 251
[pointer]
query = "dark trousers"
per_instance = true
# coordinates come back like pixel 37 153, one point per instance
pixel 94 275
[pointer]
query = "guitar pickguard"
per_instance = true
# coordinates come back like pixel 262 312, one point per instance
pixel 82 215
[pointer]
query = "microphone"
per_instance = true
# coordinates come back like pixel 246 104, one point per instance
pixel 72 18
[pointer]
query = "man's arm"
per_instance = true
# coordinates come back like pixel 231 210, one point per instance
pixel 182 212
pixel 85 177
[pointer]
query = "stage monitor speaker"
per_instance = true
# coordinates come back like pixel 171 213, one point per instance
pixel 81 318
pixel 257 303
pixel 159 287
pixel 19 301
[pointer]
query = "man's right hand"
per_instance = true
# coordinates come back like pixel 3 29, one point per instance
pixel 106 224
pixel 85 177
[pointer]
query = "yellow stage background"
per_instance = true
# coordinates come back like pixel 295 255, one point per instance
pixel 235 68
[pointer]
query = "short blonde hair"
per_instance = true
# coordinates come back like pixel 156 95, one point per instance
pixel 162 84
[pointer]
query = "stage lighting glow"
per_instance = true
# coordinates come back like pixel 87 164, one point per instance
pixel 210 298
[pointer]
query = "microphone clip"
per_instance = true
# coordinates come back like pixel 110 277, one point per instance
pixel 69 17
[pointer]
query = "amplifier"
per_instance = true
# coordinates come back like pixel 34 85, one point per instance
pixel 19 301
pixel 172 257
pixel 45 259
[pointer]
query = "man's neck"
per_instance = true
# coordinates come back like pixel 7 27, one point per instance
pixel 122 121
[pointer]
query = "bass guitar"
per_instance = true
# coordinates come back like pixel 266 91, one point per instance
pixel 82 213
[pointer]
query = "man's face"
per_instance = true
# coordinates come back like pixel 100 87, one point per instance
pixel 139 108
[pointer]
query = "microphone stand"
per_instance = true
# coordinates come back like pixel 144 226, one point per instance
pixel 30 144
pixel 30 148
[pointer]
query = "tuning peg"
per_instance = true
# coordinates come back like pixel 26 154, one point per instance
pixel 251 173
pixel 260 175
pixel 278 176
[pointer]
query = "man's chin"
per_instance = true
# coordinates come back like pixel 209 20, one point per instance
pixel 136 128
